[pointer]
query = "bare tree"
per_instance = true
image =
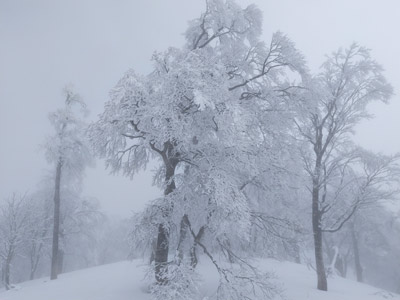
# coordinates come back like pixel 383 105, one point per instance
pixel 336 101
pixel 39 238
pixel 68 152
pixel 373 182
pixel 14 227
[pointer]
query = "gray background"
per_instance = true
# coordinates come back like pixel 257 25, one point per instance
pixel 45 44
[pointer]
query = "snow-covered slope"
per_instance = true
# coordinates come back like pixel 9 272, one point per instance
pixel 119 281
pixel 124 281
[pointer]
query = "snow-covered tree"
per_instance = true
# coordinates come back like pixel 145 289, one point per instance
pixel 38 242
pixel 372 184
pixel 15 222
pixel 335 101
pixel 372 179
pixel 68 152
pixel 210 112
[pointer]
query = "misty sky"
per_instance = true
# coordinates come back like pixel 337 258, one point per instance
pixel 45 44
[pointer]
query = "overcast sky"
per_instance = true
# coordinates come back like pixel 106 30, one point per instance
pixel 45 44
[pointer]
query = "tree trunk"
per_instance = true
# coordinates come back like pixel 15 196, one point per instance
pixel 296 252
pixel 340 266
pixel 60 261
pixel 35 262
pixel 356 252
pixel 56 226
pixel 7 269
pixel 153 251
pixel 193 250
pixel 161 257
pixel 7 274
pixel 162 246
pixel 34 265
pixel 317 233
pixel 182 237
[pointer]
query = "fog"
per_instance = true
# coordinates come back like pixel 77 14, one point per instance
pixel 46 44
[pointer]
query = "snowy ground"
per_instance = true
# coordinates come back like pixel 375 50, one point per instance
pixel 124 281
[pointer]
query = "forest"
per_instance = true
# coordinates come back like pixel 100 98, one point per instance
pixel 255 157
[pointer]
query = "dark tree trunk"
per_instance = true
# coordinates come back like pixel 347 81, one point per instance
pixel 7 274
pixel 184 227
pixel 56 226
pixel 230 256
pixel 161 256
pixel 60 261
pixel 193 250
pixel 162 246
pixel 356 252
pixel 317 233
pixel 193 256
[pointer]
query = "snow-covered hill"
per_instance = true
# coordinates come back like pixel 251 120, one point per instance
pixel 124 281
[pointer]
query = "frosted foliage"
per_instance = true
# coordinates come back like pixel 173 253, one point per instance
pixel 353 72
pixel 330 106
pixel 218 202
pixel 226 22
pixel 182 284
pixel 189 99
pixel 14 226
pixel 241 134
pixel 209 113
pixel 247 283
pixel 337 99
pixel 349 80
pixel 69 144
pixel 16 223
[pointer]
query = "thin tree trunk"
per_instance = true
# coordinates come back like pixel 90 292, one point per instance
pixel 182 237
pixel 162 246
pixel 33 269
pixel 56 226
pixel 7 274
pixel 7 271
pixel 35 261
pixel 340 265
pixel 297 256
pixel 153 251
pixel 317 233
pixel 161 257
pixel 357 261
pixel 193 250
pixel 60 256
pixel 35 254
pixel 328 247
